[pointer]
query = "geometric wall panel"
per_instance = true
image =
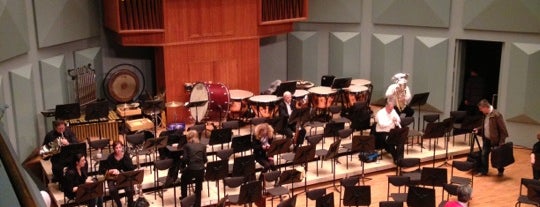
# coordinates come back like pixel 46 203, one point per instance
pixel 53 81
pixel 335 11
pixel 302 48
pixel 429 13
pixel 63 21
pixel 344 54
pixel 24 107
pixel 92 56
pixel 502 15
pixel 522 102
pixel 386 60
pixel 429 69
pixel 13 41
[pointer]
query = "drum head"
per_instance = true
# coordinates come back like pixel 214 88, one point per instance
pixel 199 93
pixel 356 88
pixel 124 83
pixel 322 90
pixel 237 94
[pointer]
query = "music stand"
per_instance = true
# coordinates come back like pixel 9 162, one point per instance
pixel 285 86
pixel 357 195
pixel 97 110
pixel 332 129
pixel 220 136
pixel 325 201
pixel 244 166
pixel 67 111
pixel 241 143
pixel 250 192
pixel 340 84
pixel 129 178
pixel 449 125
pixel 303 155
pixel 363 145
pixel 216 171
pixel 196 104
pixel 420 197
pixel 88 191
pixel 434 130
pixel 419 99
pixel 279 146
pixel 434 176
pixel 333 153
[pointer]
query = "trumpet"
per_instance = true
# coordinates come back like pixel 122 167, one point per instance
pixel 51 148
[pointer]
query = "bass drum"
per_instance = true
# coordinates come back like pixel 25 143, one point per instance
pixel 124 83
pixel 216 107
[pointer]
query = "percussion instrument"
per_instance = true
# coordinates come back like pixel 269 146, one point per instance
pixel 125 110
pixel 239 101
pixel 301 84
pixel 217 102
pixel 322 97
pixel 356 93
pixel 264 105
pixel 139 124
pixel 301 97
pixel 123 83
pixel 360 82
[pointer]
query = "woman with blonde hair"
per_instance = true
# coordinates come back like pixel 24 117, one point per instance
pixel 263 138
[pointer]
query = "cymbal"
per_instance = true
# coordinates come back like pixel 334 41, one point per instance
pixel 173 104
pixel 152 111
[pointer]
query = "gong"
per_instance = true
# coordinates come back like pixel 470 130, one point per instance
pixel 124 83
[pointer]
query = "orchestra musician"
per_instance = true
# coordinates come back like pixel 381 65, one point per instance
pixel 77 174
pixel 286 126
pixel 195 158
pixel 400 94
pixel 261 143
pixel 116 163
pixel 62 134
pixel 387 119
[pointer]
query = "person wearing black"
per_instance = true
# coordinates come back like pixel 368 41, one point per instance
pixel 534 155
pixel 66 137
pixel 261 143
pixel 195 158
pixel 76 175
pixel 286 126
pixel 473 92
pixel 116 163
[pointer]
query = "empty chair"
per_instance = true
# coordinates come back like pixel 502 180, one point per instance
pixel 97 145
pixel 313 140
pixel 336 109
pixel 249 192
pixel 224 154
pixel 457 127
pixel 231 183
pixel 450 189
pixel 350 181
pixel 161 165
pixel 406 122
pixel 399 182
pixel 390 204
pixel 530 185
pixel 315 194
pixel 462 166
pixel 276 190
pixel 410 167
pixel 136 148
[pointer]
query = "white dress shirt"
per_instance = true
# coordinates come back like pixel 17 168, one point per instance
pixel 386 121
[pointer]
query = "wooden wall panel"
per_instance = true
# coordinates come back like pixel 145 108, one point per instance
pixel 233 63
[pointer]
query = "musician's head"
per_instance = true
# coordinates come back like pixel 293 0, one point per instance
pixel 192 136
pixel 79 160
pixel 59 126
pixel 263 130
pixel 118 147
pixel 389 106
pixel 287 97
pixel 484 106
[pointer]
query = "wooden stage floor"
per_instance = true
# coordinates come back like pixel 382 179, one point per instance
pixel 324 178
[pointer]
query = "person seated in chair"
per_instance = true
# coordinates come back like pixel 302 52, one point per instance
pixel 116 163
pixel 286 126
pixel 387 119
pixel 261 143
pixel 76 174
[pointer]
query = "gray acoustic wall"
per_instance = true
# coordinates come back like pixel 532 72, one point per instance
pixel 420 37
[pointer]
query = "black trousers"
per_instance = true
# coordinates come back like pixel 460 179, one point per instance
pixel 408 111
pixel 196 177
pixel 486 149
pixel 536 173
pixel 380 143
pixel 113 191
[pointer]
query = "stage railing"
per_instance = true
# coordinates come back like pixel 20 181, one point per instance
pixel 122 15
pixel 280 11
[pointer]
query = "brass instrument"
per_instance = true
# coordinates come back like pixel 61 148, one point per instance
pixel 400 91
pixel 50 149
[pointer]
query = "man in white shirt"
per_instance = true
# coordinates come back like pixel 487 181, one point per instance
pixel 387 119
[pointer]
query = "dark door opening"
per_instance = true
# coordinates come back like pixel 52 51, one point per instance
pixel 484 57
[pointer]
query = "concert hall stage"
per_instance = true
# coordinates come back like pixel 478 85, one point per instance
pixel 209 196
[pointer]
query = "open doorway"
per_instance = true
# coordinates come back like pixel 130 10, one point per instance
pixel 484 59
